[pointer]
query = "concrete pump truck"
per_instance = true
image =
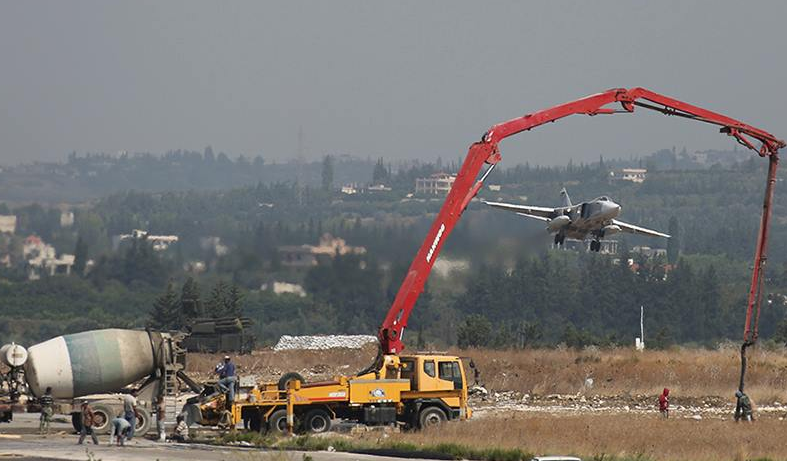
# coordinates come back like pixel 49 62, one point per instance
pixel 425 390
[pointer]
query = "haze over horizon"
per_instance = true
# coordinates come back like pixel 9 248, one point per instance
pixel 401 80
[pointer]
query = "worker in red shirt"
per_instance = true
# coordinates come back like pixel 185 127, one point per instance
pixel 664 403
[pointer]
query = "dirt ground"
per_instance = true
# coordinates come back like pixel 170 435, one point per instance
pixel 19 441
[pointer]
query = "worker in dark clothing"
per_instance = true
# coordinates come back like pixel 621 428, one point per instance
pixel 88 420
pixel 664 403
pixel 476 373
pixel 47 403
pixel 743 408
pixel 227 378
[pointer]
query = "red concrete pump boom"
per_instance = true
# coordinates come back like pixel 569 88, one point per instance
pixel 486 151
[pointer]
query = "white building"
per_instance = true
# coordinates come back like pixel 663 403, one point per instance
pixel 214 244
pixel 378 188
pixel 7 224
pixel 42 259
pixel 649 252
pixel 281 288
pixel 158 242
pixel 303 256
pixel 66 218
pixel 634 174
pixel 436 184
pixel 349 189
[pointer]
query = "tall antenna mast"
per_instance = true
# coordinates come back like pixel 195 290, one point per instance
pixel 299 167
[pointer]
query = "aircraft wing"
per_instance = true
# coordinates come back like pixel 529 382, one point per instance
pixel 632 229
pixel 540 218
pixel 537 212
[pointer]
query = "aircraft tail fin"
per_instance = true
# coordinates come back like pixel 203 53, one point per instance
pixel 565 197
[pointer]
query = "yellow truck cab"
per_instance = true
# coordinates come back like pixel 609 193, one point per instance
pixel 437 381
pixel 415 391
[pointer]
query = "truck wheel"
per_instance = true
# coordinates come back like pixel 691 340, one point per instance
pixel 143 422
pixel 76 421
pixel 317 421
pixel 102 415
pixel 431 417
pixel 287 377
pixel 277 423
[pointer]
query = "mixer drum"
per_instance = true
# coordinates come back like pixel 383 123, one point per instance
pixel 90 362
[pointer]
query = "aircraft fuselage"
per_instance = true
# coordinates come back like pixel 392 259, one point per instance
pixel 588 218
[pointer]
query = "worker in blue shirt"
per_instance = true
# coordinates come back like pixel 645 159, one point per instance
pixel 227 378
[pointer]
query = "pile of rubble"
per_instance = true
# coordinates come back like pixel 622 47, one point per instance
pixel 289 343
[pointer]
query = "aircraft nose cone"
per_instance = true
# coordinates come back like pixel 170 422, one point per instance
pixel 612 208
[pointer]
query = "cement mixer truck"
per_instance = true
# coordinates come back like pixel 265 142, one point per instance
pixel 96 366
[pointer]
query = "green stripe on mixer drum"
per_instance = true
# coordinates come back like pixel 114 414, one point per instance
pixel 95 361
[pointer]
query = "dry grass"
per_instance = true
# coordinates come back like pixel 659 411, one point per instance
pixel 625 436
pixel 687 372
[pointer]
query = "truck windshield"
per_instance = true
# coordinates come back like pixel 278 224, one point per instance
pixel 449 371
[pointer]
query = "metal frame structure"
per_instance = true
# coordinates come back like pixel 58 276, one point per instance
pixel 486 151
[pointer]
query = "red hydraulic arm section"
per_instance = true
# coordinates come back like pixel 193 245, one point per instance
pixel 486 151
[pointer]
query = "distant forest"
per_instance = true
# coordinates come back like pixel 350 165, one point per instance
pixel 94 175
pixel 508 288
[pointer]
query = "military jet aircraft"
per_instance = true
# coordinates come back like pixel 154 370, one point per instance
pixel 595 218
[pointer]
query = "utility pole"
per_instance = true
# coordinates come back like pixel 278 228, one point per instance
pixel 642 325
pixel 639 342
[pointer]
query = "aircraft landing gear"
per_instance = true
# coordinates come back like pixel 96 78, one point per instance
pixel 560 239
pixel 595 245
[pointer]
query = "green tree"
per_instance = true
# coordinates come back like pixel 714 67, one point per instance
pixel 235 298
pixel 166 313
pixel 673 244
pixel 216 304
pixel 577 338
pixel 80 256
pixel 475 331
pixel 224 301
pixel 327 173
pixel 380 173
pixel 190 302
pixel 529 334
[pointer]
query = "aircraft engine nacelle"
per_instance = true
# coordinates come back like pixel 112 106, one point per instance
pixel 610 230
pixel 557 223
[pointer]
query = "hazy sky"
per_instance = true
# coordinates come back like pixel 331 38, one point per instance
pixel 400 79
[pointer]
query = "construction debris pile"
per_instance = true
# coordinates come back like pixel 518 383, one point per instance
pixel 488 402
pixel 289 343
